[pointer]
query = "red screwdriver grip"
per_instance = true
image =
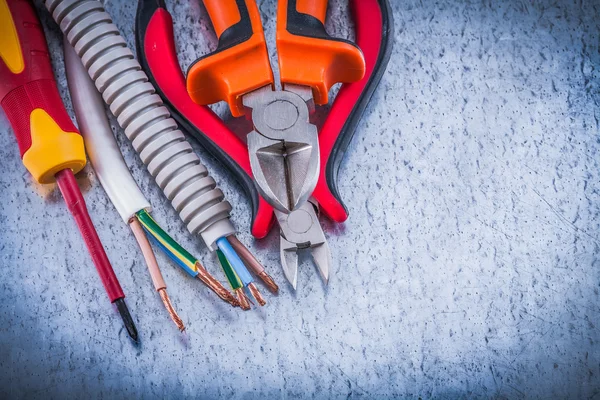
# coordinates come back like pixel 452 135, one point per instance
pixel 26 78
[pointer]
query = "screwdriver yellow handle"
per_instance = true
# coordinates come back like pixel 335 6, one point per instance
pixel 48 140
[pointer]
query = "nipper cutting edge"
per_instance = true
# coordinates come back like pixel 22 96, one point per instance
pixel 300 230
pixel 284 145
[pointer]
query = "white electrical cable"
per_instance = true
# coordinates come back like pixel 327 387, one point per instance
pixel 100 143
pixel 147 123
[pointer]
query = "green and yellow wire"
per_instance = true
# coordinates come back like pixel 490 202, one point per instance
pixel 182 257
pixel 174 250
pixel 234 281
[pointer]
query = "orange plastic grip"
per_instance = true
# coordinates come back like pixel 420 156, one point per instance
pixel 239 65
pixel 316 8
pixel 48 140
pixel 223 14
pixel 301 32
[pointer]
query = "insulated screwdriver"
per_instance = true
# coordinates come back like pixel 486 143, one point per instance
pixel 51 148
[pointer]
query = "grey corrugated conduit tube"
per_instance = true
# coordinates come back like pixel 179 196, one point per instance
pixel 147 123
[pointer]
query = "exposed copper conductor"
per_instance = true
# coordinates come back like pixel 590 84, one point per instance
pixel 252 263
pixel 266 278
pixel 167 302
pixel 256 294
pixel 216 286
pixel 157 278
pixel 243 300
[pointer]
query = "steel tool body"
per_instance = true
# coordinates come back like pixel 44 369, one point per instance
pixel 51 148
pixel 284 161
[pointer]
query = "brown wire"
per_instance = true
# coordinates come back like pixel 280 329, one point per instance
pixel 153 268
pixel 140 236
pixel 266 278
pixel 172 313
pixel 252 262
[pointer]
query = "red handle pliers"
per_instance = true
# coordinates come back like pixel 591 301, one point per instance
pixel 157 55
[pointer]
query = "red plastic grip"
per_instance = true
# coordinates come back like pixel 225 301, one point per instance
pixel 159 52
pixel 368 18
pixel 34 87
pixel 20 102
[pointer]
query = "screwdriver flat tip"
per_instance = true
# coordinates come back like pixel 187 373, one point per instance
pixel 127 320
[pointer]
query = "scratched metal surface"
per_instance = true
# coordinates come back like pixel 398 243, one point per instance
pixel 468 268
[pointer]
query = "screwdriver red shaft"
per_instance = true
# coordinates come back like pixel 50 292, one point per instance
pixel 76 205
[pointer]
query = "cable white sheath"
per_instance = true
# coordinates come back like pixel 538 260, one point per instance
pixel 100 143
pixel 140 112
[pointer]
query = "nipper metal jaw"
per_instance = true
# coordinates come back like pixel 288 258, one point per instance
pixel 284 145
pixel 300 230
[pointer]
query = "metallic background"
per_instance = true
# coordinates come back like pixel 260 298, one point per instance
pixel 468 267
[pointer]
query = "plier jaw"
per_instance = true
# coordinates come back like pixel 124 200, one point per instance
pixel 299 230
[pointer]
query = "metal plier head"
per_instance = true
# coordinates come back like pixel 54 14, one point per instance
pixel 284 145
pixel 300 230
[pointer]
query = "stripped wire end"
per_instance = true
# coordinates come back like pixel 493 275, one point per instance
pixel 256 294
pixel 155 274
pixel 243 300
pixel 215 285
pixel 172 313
pixel 266 278
pixel 228 256
pixel 182 257
pixel 252 262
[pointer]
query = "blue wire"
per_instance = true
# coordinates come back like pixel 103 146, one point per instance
pixel 235 261
pixel 172 256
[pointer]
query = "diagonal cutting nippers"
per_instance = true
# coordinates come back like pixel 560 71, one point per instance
pixel 284 162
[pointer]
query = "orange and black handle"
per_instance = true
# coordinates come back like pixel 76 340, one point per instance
pixel 48 140
pixel 239 65
pixel 301 32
